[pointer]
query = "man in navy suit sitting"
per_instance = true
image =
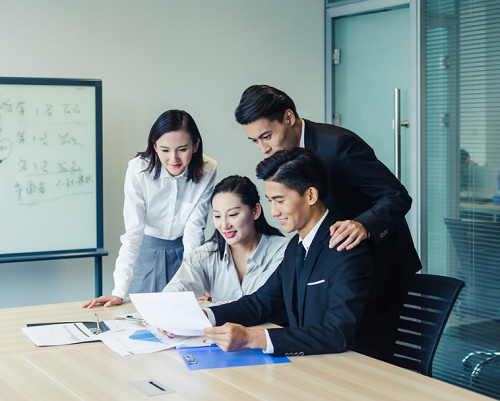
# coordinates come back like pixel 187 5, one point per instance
pixel 367 200
pixel 323 291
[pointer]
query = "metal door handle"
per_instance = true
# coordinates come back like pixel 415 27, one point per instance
pixel 397 134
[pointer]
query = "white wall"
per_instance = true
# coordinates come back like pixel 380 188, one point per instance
pixel 154 55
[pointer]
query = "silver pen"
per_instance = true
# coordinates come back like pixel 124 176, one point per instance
pixel 97 326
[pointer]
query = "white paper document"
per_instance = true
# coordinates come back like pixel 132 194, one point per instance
pixel 129 338
pixel 171 339
pixel 59 334
pixel 198 341
pixel 175 312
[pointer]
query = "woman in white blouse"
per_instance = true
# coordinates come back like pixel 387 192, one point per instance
pixel 243 252
pixel 167 193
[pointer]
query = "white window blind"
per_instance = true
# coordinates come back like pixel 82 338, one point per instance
pixel 461 131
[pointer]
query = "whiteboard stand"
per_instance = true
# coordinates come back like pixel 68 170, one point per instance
pixel 51 170
pixel 97 255
pixel 98 275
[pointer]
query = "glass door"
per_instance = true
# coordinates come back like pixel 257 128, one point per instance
pixel 372 60
pixel 372 86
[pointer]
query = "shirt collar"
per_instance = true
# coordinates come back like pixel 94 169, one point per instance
pixel 307 241
pixel 257 257
pixel 165 174
pixel 302 135
pixel 227 252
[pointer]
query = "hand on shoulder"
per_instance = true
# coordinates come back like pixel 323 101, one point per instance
pixel 352 231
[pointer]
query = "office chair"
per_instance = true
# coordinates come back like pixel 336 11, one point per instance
pixel 477 244
pixel 485 358
pixel 424 314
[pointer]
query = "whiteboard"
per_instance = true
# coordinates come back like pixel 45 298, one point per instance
pixel 50 165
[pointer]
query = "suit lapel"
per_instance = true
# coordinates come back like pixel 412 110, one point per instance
pixel 309 135
pixel 310 261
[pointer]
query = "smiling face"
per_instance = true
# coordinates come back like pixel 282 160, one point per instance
pixel 175 151
pixel 271 136
pixel 234 220
pixel 292 210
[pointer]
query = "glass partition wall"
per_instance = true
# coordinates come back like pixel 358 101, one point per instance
pixel 461 184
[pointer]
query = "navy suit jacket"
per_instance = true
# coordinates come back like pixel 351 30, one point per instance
pixel 331 298
pixel 363 189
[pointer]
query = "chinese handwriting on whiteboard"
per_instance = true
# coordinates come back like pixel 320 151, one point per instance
pixel 45 144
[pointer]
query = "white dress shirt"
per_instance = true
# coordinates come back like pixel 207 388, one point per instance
pixel 166 208
pixel 204 271
pixel 307 241
pixel 302 144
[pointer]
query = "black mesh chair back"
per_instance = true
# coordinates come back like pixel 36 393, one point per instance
pixel 423 316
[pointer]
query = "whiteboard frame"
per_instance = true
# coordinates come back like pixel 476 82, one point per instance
pixel 98 251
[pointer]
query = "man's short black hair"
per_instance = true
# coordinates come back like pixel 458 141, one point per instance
pixel 263 101
pixel 297 169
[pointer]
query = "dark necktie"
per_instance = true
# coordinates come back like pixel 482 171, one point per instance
pixel 299 261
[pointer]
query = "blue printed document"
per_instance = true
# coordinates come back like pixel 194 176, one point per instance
pixel 212 357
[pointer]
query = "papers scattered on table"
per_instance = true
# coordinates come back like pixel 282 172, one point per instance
pixel 132 338
pixel 129 338
pixel 175 312
pixel 59 334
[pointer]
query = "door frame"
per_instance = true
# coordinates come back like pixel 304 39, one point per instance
pixel 356 7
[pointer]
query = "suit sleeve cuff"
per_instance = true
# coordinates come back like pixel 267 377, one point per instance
pixel 270 346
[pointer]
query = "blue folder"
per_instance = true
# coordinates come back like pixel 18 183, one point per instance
pixel 212 357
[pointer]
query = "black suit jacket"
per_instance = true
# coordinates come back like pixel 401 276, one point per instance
pixel 331 298
pixel 363 189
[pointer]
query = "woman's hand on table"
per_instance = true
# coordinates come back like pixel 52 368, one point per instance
pixel 107 300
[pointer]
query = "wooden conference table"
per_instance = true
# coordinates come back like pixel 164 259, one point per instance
pixel 92 371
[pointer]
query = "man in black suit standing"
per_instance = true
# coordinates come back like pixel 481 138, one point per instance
pixel 324 292
pixel 367 200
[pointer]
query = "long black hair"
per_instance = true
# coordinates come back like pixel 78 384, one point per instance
pixel 174 120
pixel 246 190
